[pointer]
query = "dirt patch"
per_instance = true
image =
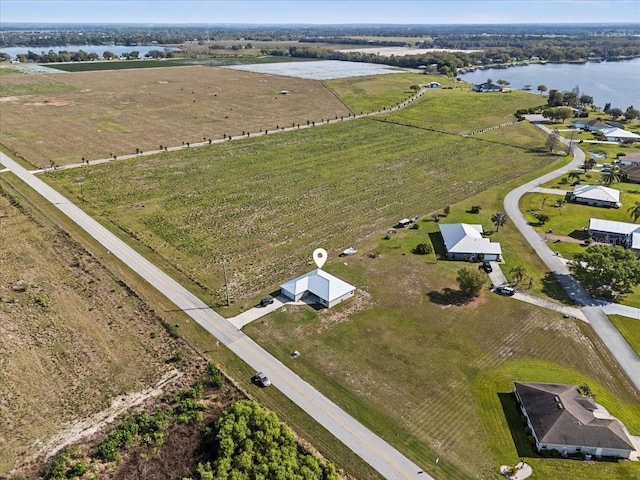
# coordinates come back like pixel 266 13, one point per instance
pixel 90 426
pixel 50 103
pixel 9 99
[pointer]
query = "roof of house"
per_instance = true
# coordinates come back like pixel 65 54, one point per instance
pixel 619 133
pixel 622 228
pixel 320 283
pixel 466 238
pixel 597 192
pixel 597 124
pixel 630 157
pixel 632 171
pixel 560 415
pixel 635 241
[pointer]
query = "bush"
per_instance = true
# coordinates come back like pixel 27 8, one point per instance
pixel 422 249
pixel 215 375
pixel 532 440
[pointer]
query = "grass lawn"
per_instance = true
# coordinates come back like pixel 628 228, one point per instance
pixel 443 110
pixel 630 330
pixel 429 375
pixel 370 94
pixel 265 204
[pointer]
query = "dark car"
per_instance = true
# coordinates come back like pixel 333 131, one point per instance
pixel 486 266
pixel 266 301
pixel 504 290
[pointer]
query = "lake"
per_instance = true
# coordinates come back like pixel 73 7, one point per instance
pixel 617 83
pixel 99 49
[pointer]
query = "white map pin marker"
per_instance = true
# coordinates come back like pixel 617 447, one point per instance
pixel 319 256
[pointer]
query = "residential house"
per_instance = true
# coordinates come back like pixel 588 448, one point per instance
pixel 318 287
pixel 629 158
pixel 433 85
pixel 465 242
pixel 487 87
pixel 595 195
pixel 619 135
pixel 615 233
pixel 631 172
pixel 596 126
pixel 562 419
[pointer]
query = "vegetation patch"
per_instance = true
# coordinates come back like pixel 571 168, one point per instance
pixel 264 204
pixel 66 326
pixel 629 328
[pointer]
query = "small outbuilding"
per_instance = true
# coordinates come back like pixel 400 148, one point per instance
pixel 465 242
pixel 562 419
pixel 596 196
pixel 318 287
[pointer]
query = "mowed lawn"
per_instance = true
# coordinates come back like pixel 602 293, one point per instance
pixel 72 337
pixel 371 94
pixel 434 377
pixel 70 116
pixel 443 109
pixel 264 204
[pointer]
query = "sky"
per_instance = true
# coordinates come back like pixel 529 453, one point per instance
pixel 320 11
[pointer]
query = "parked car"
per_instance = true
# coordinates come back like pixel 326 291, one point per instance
pixel 486 266
pixel 266 301
pixel 504 290
pixel 261 379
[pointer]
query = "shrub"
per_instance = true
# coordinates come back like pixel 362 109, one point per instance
pixel 422 249
pixel 532 440
pixel 215 375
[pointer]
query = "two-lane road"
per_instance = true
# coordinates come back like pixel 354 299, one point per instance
pixel 591 309
pixel 388 461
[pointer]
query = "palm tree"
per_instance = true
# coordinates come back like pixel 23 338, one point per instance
pixel 560 203
pixel 574 176
pixel 610 177
pixel 499 219
pixel 634 212
pixel 519 274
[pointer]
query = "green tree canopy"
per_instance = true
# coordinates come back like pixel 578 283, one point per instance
pixel 471 281
pixel 499 219
pixel 252 443
pixel 607 265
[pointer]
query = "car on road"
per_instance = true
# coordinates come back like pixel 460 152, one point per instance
pixel 261 379
pixel 486 266
pixel 505 290
pixel 266 301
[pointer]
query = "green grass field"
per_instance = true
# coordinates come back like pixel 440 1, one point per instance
pixel 265 204
pixel 443 110
pixel 630 330
pixel 433 377
pixel 371 94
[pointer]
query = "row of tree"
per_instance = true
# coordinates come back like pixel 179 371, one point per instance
pixel 82 56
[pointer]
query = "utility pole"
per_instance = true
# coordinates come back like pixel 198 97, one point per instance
pixel 226 283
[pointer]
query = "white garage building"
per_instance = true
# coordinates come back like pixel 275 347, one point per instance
pixel 318 286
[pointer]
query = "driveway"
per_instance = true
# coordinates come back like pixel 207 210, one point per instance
pixel 385 459
pixel 591 308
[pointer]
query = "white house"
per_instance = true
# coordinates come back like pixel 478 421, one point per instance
pixel 596 195
pixel 620 135
pixel 465 242
pixel 487 87
pixel 318 286
pixel 562 419
pixel 433 85
pixel 615 233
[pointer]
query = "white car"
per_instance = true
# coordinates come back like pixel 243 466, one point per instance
pixel 261 379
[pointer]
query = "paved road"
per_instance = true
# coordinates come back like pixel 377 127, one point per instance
pixel 388 461
pixel 591 308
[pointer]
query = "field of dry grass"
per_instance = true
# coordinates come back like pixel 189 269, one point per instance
pixel 72 337
pixel 64 117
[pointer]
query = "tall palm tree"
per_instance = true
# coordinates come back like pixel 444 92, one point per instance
pixel 612 176
pixel 499 219
pixel 634 212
